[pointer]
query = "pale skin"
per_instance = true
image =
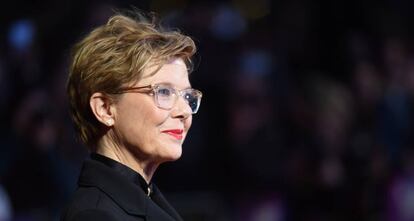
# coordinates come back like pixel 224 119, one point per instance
pixel 136 134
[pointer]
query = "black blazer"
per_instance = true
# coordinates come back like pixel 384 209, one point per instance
pixel 105 195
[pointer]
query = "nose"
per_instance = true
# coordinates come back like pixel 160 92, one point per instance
pixel 181 109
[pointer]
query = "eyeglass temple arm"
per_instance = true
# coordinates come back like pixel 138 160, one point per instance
pixel 122 90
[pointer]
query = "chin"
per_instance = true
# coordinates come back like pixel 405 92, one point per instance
pixel 173 154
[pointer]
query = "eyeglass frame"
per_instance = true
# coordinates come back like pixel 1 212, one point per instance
pixel 152 91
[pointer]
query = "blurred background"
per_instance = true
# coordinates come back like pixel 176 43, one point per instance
pixel 307 111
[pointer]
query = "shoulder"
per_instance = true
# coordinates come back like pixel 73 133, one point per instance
pixel 87 198
pixel 90 203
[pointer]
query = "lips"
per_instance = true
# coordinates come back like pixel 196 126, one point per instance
pixel 176 133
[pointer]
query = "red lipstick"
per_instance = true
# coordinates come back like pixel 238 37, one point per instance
pixel 176 133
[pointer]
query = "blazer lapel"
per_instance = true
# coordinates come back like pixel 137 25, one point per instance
pixel 156 213
pixel 160 200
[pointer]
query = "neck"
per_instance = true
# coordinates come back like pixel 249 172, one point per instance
pixel 108 148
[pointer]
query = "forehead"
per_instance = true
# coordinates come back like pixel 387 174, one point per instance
pixel 173 72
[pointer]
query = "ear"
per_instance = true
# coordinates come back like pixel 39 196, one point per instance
pixel 102 108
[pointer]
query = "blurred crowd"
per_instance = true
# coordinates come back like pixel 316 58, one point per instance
pixel 307 111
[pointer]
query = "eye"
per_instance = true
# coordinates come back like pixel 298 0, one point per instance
pixel 191 99
pixel 188 96
pixel 164 91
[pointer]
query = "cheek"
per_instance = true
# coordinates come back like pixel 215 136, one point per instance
pixel 153 122
pixel 188 122
pixel 145 129
pixel 157 117
pixel 140 120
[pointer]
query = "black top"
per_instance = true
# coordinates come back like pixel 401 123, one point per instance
pixel 129 173
pixel 110 191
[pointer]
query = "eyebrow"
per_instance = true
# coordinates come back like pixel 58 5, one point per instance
pixel 171 84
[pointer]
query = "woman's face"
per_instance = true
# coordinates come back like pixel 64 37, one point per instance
pixel 151 133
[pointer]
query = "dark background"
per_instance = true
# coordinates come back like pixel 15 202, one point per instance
pixel 307 112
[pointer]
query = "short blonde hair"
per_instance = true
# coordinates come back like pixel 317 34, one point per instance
pixel 114 55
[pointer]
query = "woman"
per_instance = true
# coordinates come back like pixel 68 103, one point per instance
pixel 132 104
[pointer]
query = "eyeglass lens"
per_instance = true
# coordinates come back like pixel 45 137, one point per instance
pixel 165 97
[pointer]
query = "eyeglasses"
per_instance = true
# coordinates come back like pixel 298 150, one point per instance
pixel 166 96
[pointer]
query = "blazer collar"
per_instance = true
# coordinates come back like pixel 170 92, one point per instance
pixel 125 193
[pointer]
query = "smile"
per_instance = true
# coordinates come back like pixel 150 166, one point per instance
pixel 176 133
